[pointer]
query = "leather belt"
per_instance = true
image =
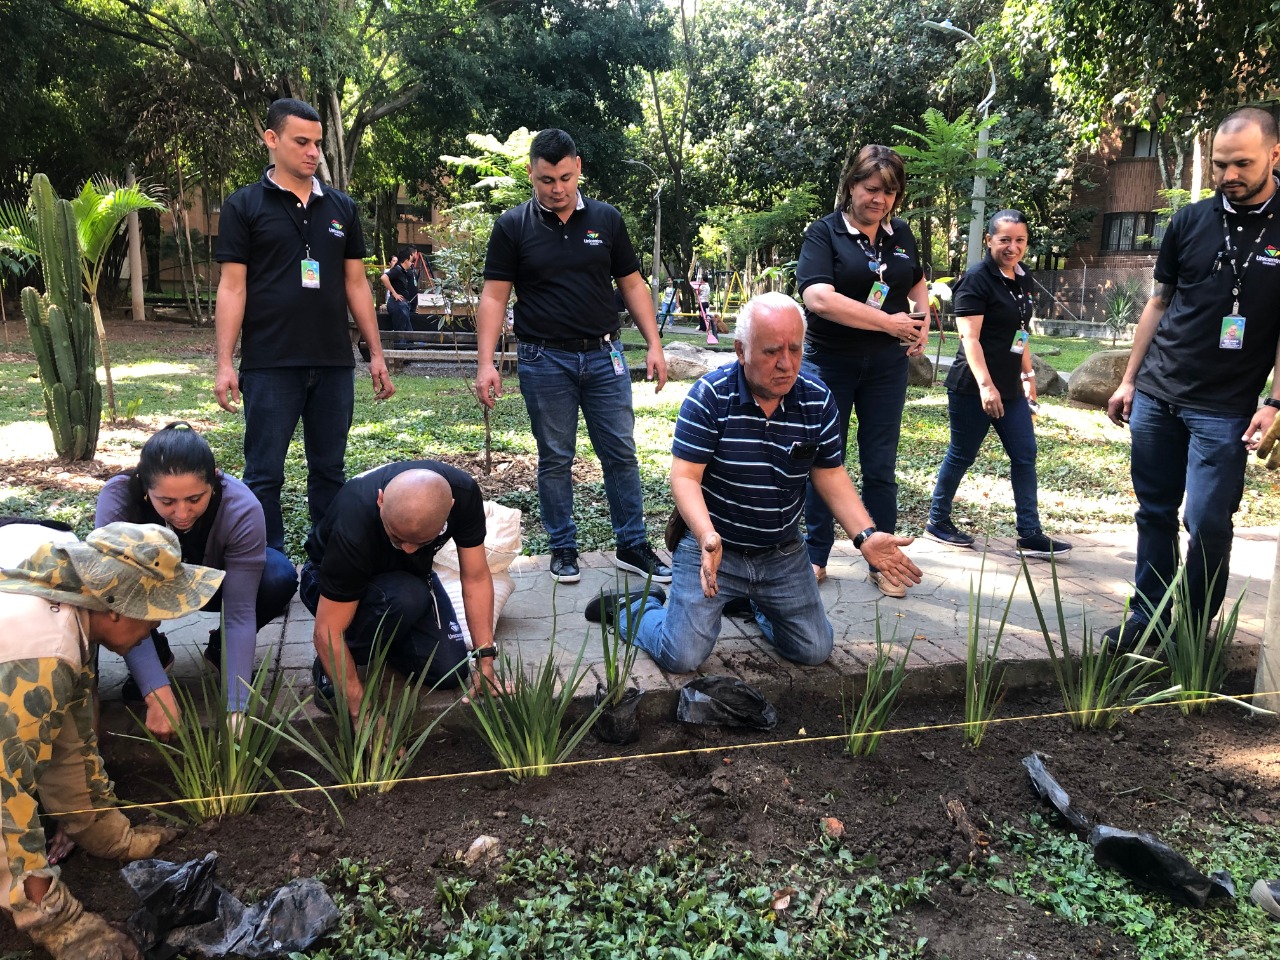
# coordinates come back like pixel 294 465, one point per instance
pixel 574 346
pixel 757 551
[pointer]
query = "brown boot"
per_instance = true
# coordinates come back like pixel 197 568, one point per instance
pixel 61 925
pixel 144 841
pixel 111 837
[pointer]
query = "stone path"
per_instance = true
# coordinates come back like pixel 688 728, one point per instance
pixel 1094 580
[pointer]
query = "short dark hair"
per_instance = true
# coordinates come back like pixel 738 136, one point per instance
pixel 281 110
pixel 176 451
pixel 1251 116
pixel 873 160
pixel 405 253
pixel 552 145
pixel 1006 216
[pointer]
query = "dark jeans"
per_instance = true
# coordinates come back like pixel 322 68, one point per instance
pixel 969 427
pixel 875 388
pixel 1177 452
pixel 414 618
pixel 400 314
pixel 323 398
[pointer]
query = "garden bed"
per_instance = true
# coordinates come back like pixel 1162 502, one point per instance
pixel 1209 785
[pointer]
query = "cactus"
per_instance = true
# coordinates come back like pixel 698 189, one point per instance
pixel 62 331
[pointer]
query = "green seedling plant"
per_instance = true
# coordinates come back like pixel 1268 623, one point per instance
pixel 219 768
pixel 618 646
pixel 1096 684
pixel 524 727
pixel 868 715
pixel 373 746
pixel 983 685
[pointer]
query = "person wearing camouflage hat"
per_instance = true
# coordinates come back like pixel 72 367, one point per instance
pixel 60 596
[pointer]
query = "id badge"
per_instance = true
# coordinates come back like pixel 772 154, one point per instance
pixel 615 354
pixel 1232 336
pixel 879 290
pixel 311 274
pixel 1020 342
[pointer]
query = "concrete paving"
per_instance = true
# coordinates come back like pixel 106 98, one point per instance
pixel 542 619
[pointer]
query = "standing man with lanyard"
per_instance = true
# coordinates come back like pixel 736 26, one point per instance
pixel 401 282
pixel 561 252
pixel 292 267
pixel 1204 347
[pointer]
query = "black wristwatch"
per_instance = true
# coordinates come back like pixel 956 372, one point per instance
pixel 862 538
pixel 1271 402
pixel 481 652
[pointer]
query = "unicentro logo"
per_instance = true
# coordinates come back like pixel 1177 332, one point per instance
pixel 1270 255
pixel 337 229
pixel 592 239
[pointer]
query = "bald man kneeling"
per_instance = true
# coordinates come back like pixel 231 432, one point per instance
pixel 368 578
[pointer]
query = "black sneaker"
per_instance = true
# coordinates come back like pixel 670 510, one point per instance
pixel 642 560
pixel 564 565
pixel 1043 546
pixel 944 531
pixel 213 649
pixel 1128 636
pixel 130 692
pixel 605 605
pixel 326 696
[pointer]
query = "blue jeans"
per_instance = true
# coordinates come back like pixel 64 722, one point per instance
pixel 400 314
pixel 969 427
pixel 875 388
pixel 275 399
pixel 414 617
pixel 556 384
pixel 1178 451
pixel 788 607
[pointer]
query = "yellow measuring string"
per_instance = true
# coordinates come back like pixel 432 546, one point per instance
pixel 668 754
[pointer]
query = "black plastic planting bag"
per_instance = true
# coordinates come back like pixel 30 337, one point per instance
pixel 619 724
pixel 725 701
pixel 1048 790
pixel 1153 864
pixel 290 919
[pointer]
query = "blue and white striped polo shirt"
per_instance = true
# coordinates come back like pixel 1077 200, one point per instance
pixel 757 467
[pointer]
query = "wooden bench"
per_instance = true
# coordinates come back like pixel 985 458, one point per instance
pixel 401 347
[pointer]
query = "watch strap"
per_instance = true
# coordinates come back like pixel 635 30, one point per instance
pixel 862 538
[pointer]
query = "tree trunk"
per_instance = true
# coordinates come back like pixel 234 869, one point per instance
pixel 106 357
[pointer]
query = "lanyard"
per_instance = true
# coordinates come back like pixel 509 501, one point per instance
pixel 1021 299
pixel 306 212
pixel 875 255
pixel 1237 274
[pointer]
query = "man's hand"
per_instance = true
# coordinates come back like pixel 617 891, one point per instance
pixel 712 552
pixel 382 385
pixel 882 551
pixel 484 678
pixel 1121 404
pixel 1261 435
pixel 226 389
pixel 161 723
pixel 488 384
pixel 656 365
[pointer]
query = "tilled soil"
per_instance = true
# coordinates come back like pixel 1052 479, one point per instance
pixel 762 792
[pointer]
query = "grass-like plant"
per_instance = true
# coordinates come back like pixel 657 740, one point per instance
pixel 219 767
pixel 617 645
pixel 867 716
pixel 524 727
pixel 983 680
pixel 374 750
pixel 1096 683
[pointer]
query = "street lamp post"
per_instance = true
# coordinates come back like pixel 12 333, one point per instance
pixel 977 224
pixel 657 234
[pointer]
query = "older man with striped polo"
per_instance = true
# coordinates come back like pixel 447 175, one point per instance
pixel 750 436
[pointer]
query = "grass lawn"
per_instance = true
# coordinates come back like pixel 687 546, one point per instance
pixel 1084 479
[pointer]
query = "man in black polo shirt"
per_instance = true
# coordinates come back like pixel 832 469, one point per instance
pixel 561 252
pixel 1202 352
pixel 369 570
pixel 291 254
pixel 401 283
pixel 750 436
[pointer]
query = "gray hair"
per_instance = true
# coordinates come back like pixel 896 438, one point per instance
pixel 763 301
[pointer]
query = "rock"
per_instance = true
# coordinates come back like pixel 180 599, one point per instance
pixel 1095 380
pixel 832 827
pixel 1049 382
pixel 482 850
pixel 687 362
pixel 919 371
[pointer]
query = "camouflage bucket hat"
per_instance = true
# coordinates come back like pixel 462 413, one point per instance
pixel 133 569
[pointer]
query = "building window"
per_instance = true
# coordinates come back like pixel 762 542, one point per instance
pixel 1139 143
pixel 1131 231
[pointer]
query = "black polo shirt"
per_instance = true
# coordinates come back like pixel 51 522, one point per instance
pixel 832 254
pixel 404 282
pixel 266 228
pixel 563 272
pixel 757 467
pixel 350 545
pixel 1185 365
pixel 1005 307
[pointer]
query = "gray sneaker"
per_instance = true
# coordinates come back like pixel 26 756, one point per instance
pixel 1041 545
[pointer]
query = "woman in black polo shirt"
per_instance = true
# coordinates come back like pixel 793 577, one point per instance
pixel 991 384
pixel 858 274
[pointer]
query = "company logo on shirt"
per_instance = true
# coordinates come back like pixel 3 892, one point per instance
pixel 337 229
pixel 1269 255
pixel 592 238
pixel 901 252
